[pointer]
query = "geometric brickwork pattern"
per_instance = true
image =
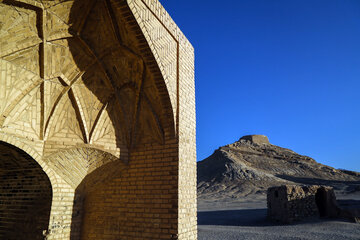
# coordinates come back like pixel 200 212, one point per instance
pixel 100 93
pixel 163 34
pixel 66 80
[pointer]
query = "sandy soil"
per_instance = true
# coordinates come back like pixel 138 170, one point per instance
pixel 246 219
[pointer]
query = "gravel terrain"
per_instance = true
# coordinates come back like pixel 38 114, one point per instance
pixel 248 221
pixel 313 230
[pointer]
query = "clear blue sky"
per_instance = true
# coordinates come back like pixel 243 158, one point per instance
pixel 286 69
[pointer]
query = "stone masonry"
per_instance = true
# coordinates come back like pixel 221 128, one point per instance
pixel 97 121
pixel 258 139
pixel 289 203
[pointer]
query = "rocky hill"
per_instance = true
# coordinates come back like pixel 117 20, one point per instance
pixel 251 165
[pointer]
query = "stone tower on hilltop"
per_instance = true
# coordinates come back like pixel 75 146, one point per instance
pixel 97 121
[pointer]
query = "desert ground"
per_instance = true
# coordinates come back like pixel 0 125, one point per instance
pixel 245 219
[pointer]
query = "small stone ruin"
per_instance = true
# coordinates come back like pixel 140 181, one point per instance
pixel 258 139
pixel 288 203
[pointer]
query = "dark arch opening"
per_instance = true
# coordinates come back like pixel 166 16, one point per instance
pixel 320 198
pixel 25 195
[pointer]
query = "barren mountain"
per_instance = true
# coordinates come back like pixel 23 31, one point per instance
pixel 252 164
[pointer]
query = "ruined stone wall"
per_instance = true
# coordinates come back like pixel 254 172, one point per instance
pixel 258 139
pixel 293 203
pixel 101 95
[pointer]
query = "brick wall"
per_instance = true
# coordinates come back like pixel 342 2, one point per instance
pixel 141 202
pixel 101 95
pixel 163 35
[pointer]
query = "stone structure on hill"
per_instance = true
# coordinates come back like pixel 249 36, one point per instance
pixel 259 139
pixel 252 165
pixel 293 203
pixel 97 121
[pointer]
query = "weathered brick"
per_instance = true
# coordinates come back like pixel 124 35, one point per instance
pixel 101 97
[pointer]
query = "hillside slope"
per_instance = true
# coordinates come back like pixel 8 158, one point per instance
pixel 252 164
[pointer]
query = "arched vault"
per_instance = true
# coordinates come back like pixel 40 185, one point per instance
pixel 93 86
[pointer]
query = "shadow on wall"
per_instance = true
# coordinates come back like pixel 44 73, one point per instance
pixel 84 200
pixel 94 85
pixel 126 95
pixel 321 202
pixel 131 91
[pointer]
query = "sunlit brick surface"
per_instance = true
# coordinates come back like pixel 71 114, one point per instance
pixel 100 94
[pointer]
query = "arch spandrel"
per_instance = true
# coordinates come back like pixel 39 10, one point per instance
pixel 74 164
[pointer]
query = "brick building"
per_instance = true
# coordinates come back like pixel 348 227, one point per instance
pixel 97 121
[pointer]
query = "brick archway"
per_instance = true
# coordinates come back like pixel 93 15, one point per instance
pixel 25 195
pixel 103 93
